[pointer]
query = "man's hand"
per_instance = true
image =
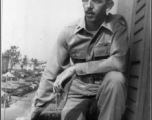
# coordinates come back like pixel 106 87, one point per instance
pixel 63 77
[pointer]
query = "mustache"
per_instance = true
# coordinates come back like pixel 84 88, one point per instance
pixel 89 12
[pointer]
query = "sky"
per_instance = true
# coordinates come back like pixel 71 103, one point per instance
pixel 34 25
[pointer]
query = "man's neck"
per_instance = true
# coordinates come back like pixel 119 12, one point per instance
pixel 94 25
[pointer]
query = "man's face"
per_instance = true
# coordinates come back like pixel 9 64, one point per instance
pixel 94 9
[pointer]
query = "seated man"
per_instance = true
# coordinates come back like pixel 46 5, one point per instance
pixel 97 44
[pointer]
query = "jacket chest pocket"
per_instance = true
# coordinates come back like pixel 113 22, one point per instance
pixel 78 56
pixel 105 40
pixel 102 51
pixel 102 48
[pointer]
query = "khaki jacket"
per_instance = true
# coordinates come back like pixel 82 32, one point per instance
pixel 100 53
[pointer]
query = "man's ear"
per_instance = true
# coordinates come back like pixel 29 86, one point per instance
pixel 110 4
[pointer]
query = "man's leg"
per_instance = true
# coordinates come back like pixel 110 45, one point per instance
pixel 75 109
pixel 112 96
pixel 78 101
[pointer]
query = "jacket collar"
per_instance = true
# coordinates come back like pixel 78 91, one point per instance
pixel 106 24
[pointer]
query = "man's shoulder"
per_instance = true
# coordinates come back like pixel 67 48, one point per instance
pixel 69 29
pixel 117 19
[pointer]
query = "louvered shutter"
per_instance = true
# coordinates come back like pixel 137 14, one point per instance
pixel 138 81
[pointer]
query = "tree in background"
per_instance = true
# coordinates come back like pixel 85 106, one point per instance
pixel 32 59
pixel 25 61
pixel 22 66
pixel 14 56
pixel 35 62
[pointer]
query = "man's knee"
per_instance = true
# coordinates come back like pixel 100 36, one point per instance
pixel 115 78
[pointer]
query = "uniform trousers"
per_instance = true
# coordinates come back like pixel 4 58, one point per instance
pixel 107 102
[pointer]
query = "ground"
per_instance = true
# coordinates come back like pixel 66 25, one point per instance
pixel 19 108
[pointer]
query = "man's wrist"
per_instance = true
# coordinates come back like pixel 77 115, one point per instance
pixel 74 69
pixel 81 68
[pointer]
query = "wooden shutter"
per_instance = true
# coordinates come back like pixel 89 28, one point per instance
pixel 139 62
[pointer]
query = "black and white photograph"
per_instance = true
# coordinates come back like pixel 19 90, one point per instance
pixel 76 60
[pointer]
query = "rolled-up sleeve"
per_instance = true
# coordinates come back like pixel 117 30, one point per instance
pixel 118 54
pixel 58 61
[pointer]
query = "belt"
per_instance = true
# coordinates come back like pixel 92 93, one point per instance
pixel 93 78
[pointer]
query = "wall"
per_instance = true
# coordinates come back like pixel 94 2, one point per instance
pixel 136 13
pixel 5 60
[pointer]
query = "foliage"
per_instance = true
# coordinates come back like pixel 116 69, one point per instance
pixel 14 56
pixel 35 61
pixel 29 72
pixel 24 61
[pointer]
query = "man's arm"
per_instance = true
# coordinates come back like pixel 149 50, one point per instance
pixel 118 54
pixel 58 62
pixel 64 77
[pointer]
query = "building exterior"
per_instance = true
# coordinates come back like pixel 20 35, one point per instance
pixel 30 66
pixel 137 14
pixel 42 66
pixel 17 66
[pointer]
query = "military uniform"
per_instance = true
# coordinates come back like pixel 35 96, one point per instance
pixel 100 62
